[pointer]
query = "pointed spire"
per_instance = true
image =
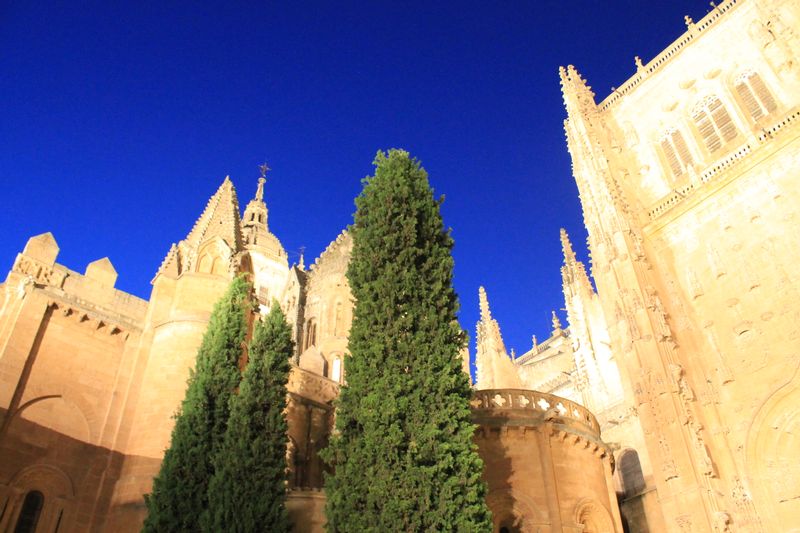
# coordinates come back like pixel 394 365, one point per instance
pixel 219 218
pixel 302 263
pixel 578 96
pixel 254 223
pixel 566 247
pixel 495 370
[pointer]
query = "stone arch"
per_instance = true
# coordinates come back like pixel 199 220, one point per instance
pixel 772 443
pixel 71 396
pixel 513 511
pixel 66 414
pixel 49 480
pixel 593 517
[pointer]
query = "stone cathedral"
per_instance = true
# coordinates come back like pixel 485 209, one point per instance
pixel 669 402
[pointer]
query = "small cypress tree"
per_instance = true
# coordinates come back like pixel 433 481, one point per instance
pixel 248 491
pixel 180 490
pixel 403 453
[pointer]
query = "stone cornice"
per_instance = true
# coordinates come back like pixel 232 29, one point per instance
pixel 694 30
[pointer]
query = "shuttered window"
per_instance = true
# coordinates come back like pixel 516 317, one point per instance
pixel 676 152
pixel 754 94
pixel 713 122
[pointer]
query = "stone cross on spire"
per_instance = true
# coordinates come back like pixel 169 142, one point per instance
pixel 261 181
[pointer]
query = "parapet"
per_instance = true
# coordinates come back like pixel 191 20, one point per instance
pixel 521 407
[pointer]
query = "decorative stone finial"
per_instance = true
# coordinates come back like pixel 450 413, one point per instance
pixel 638 61
pixel 302 264
pixel 556 323
pixel 535 343
pixel 689 22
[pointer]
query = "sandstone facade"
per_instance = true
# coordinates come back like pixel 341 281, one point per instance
pixel 687 350
pixel 674 388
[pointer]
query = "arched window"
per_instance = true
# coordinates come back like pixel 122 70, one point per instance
pixel 676 152
pixel 713 122
pixel 754 94
pixel 29 515
pixel 336 370
pixel 630 471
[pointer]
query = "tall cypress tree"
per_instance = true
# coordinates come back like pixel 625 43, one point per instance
pixel 180 491
pixel 403 453
pixel 248 491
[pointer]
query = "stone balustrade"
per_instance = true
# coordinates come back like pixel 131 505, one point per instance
pixel 521 404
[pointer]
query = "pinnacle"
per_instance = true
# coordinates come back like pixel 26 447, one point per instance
pixel 556 322
pixel 486 314
pixel 566 247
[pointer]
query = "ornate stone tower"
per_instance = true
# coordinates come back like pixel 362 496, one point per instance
pixel 192 277
pixel 268 260
pixel 688 179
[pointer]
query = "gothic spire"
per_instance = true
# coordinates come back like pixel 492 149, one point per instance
pixel 220 218
pixel 566 247
pixel 494 368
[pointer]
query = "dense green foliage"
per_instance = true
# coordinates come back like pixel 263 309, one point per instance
pixel 403 453
pixel 248 491
pixel 180 490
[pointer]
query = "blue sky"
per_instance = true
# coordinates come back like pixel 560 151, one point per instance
pixel 121 119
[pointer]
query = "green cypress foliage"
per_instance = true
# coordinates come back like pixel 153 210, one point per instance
pixel 248 491
pixel 403 453
pixel 180 491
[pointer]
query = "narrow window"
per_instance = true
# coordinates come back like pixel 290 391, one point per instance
pixel 676 152
pixel 336 371
pixel 713 122
pixel 338 325
pixel 754 93
pixel 29 515
pixel 631 474
pixel 311 334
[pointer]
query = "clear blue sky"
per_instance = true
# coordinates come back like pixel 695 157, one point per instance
pixel 120 119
